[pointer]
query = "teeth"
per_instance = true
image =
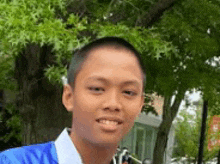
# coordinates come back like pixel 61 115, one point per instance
pixel 108 122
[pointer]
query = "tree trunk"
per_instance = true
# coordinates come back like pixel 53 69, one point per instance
pixel 169 113
pixel 39 101
pixel 161 141
pixel 203 129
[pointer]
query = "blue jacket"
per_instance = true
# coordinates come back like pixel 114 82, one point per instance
pixel 35 154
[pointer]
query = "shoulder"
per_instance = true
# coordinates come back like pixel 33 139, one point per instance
pixel 39 153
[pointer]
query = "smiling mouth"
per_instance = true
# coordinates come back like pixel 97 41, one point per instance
pixel 109 122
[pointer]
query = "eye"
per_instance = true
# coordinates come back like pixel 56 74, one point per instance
pixel 130 93
pixel 96 89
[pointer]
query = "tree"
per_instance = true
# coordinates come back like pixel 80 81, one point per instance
pixel 187 127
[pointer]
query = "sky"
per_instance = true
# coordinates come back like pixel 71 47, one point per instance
pixel 195 96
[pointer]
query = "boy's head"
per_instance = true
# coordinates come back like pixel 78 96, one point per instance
pixel 105 91
pixel 81 55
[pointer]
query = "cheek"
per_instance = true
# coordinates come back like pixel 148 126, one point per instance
pixel 82 115
pixel 134 109
pixel 84 106
pixel 131 114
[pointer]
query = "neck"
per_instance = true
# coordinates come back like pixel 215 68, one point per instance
pixel 93 153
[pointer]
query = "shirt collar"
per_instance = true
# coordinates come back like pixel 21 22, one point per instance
pixel 66 150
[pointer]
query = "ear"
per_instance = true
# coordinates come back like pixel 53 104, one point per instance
pixel 67 97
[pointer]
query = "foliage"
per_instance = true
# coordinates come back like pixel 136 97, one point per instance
pixel 10 127
pixel 196 36
pixel 36 22
pixel 148 105
pixel 25 22
pixel 7 73
pixel 41 22
pixel 214 103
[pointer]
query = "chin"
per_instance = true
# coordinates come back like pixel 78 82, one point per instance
pixel 106 142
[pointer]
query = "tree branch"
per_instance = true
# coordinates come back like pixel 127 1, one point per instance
pixel 166 106
pixel 175 107
pixel 155 12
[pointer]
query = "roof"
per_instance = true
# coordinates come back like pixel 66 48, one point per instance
pixel 149 119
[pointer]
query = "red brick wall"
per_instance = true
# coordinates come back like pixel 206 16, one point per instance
pixel 214 133
pixel 157 103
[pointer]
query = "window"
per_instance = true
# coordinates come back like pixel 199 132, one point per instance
pixel 144 141
pixel 140 144
pixel 149 143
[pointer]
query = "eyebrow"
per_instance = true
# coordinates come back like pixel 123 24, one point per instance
pixel 102 79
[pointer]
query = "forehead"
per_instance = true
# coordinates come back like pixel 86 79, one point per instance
pixel 113 59
pixel 113 55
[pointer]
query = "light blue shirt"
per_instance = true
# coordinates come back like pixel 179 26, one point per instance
pixel 66 150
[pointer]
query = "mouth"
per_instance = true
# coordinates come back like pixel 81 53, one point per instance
pixel 109 122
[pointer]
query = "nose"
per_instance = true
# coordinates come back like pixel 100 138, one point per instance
pixel 112 101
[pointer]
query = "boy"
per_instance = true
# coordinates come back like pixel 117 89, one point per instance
pixel 105 94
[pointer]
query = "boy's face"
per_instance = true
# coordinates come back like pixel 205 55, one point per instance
pixel 107 96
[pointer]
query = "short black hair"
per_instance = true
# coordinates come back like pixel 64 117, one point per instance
pixel 81 55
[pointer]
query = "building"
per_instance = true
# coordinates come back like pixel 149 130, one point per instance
pixel 142 137
pixel 214 133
